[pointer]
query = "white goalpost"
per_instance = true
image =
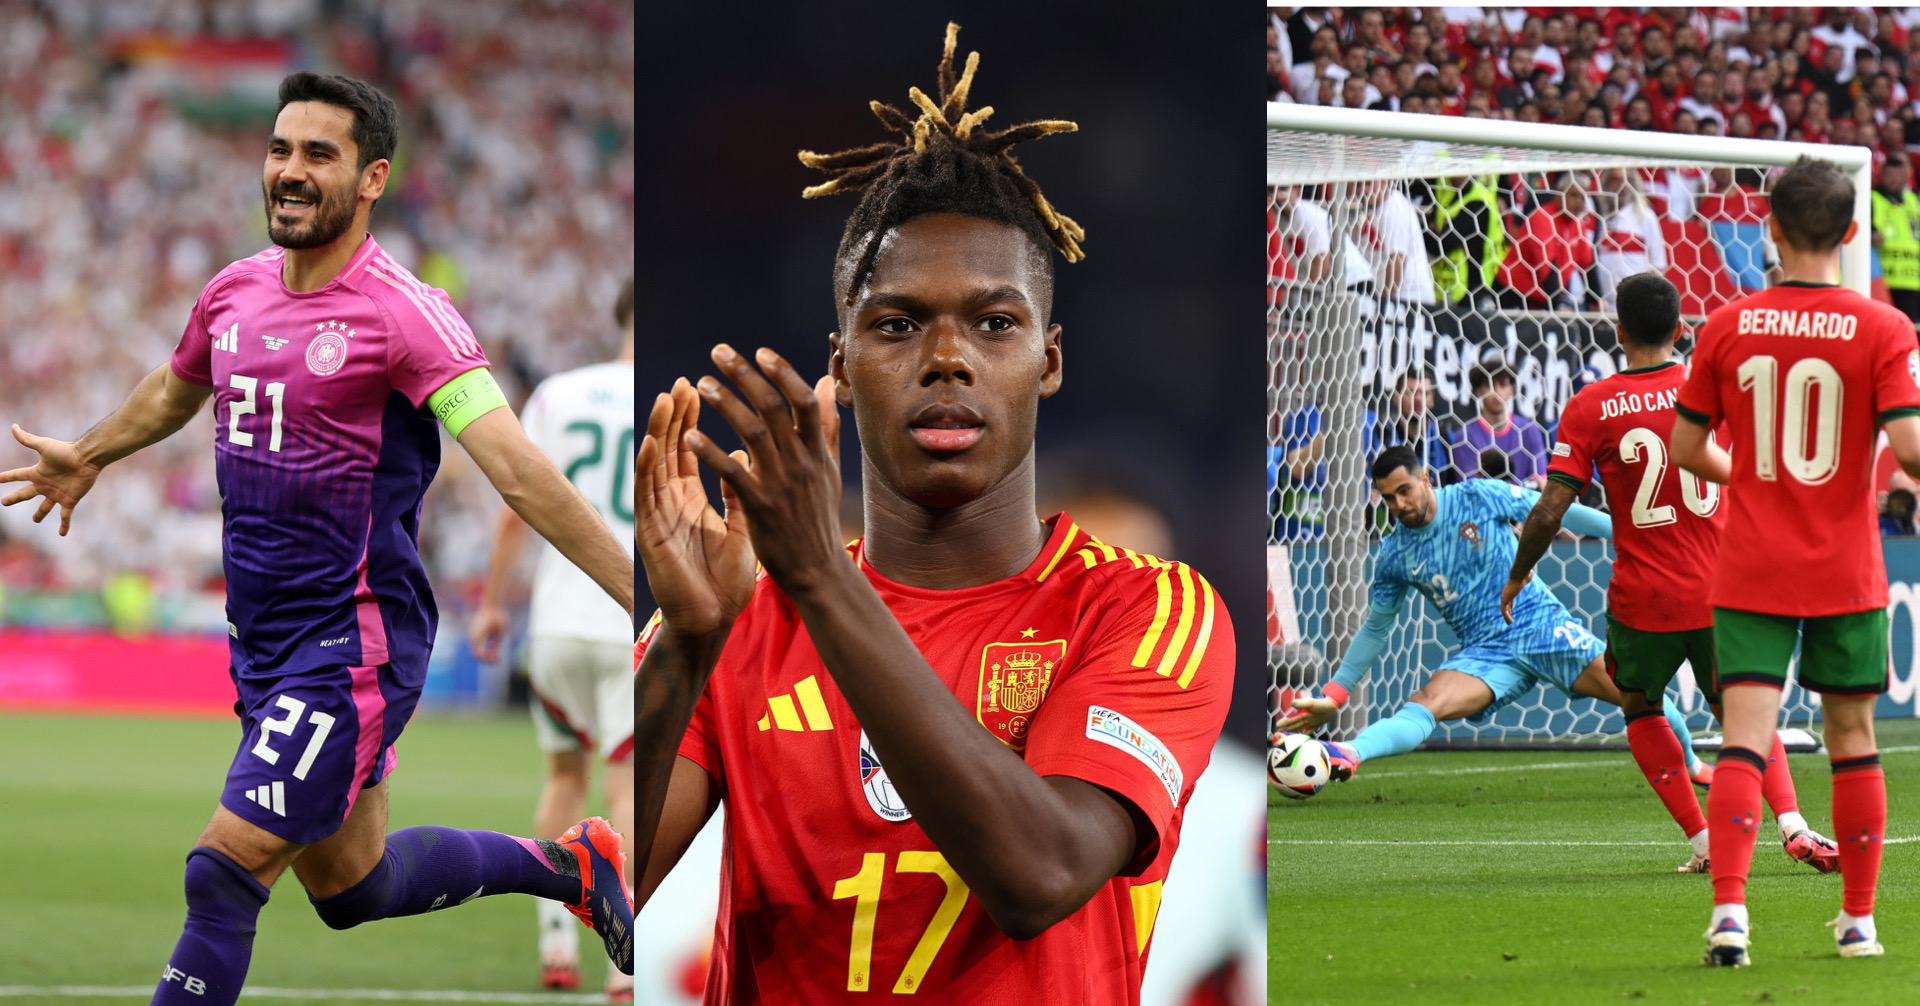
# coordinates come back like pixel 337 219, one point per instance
pixel 1396 298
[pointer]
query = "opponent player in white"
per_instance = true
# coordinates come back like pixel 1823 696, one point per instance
pixel 579 640
pixel 1455 545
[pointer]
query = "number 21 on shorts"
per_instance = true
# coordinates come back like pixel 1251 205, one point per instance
pixel 322 726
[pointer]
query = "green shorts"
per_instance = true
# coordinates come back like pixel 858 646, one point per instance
pixel 1839 654
pixel 1642 661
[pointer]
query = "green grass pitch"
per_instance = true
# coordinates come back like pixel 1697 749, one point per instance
pixel 1360 909
pixel 97 815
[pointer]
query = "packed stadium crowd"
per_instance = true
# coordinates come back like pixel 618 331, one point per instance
pixel 1563 241
pixel 126 184
pixel 1836 75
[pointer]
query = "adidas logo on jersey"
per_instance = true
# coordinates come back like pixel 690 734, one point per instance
pixel 229 340
pixel 273 797
pixel 782 713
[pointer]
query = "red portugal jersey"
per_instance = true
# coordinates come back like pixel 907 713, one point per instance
pixel 1803 375
pixel 1666 523
pixel 1095 662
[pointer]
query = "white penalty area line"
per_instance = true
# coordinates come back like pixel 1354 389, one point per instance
pixel 1526 842
pixel 328 995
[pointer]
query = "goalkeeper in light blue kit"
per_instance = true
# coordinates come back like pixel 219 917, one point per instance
pixel 1456 546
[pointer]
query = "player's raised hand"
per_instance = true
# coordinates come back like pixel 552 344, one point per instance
pixel 1309 713
pixel 699 564
pixel 791 492
pixel 60 479
pixel 1508 593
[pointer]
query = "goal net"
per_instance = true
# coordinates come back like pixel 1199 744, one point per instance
pixel 1448 284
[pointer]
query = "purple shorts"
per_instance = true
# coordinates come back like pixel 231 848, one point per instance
pixel 310 742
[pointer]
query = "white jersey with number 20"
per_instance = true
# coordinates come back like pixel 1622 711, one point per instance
pixel 583 419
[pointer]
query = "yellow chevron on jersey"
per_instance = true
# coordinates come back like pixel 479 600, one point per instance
pixel 1184 600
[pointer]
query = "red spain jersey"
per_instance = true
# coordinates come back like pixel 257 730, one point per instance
pixel 1094 662
pixel 1803 375
pixel 1666 523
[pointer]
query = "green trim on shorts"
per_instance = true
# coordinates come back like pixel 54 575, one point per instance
pixel 1578 485
pixel 1904 412
pixel 1644 661
pixel 464 399
pixel 1697 418
pixel 1845 654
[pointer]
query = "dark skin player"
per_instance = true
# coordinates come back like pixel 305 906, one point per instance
pixel 943 357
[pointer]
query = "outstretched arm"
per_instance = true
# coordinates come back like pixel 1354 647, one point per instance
pixel 1543 522
pixel 160 405
pixel 536 490
pixel 1366 647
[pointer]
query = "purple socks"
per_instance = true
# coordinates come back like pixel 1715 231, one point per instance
pixel 424 868
pixel 209 964
pixel 431 867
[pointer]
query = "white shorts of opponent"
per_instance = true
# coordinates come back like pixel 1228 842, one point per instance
pixel 583 696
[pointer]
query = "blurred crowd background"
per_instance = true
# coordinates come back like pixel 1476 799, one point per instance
pixel 131 141
pixel 1470 260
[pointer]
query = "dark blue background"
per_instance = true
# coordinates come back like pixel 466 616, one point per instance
pixel 1165 361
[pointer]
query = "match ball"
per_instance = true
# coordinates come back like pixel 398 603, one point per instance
pixel 1297 766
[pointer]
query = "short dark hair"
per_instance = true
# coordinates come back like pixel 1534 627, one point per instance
pixel 1410 375
pixel 376 122
pixel 1484 376
pixel 1649 309
pixel 1393 459
pixel 1495 464
pixel 623 305
pixel 1813 201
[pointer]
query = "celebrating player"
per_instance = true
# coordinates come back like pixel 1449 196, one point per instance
pixel 578 650
pixel 1803 373
pixel 328 364
pixel 955 754
pixel 1657 612
pixel 1454 546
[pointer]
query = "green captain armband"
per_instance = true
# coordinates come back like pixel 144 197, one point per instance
pixel 464 399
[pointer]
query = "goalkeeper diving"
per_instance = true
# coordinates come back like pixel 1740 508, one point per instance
pixel 1455 545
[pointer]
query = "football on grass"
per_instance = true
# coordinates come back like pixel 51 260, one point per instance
pixel 1297 766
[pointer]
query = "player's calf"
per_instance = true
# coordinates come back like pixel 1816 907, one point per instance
pixel 209 963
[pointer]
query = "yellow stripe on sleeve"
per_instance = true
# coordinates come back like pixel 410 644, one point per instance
pixel 1160 613
pixel 1146 908
pixel 1073 531
pixel 1181 628
pixel 1105 549
pixel 1206 633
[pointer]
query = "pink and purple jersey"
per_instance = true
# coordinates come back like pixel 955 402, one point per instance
pixel 324 448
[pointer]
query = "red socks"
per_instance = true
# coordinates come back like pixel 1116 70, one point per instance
pixel 1661 759
pixel 1860 826
pixel 1777 783
pixel 1733 811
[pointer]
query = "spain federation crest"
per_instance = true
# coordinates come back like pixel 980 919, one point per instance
pixel 1013 680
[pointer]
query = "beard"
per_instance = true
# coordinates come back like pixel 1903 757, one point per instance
pixel 328 217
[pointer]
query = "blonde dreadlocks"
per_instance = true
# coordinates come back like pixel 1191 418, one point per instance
pixel 944 163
